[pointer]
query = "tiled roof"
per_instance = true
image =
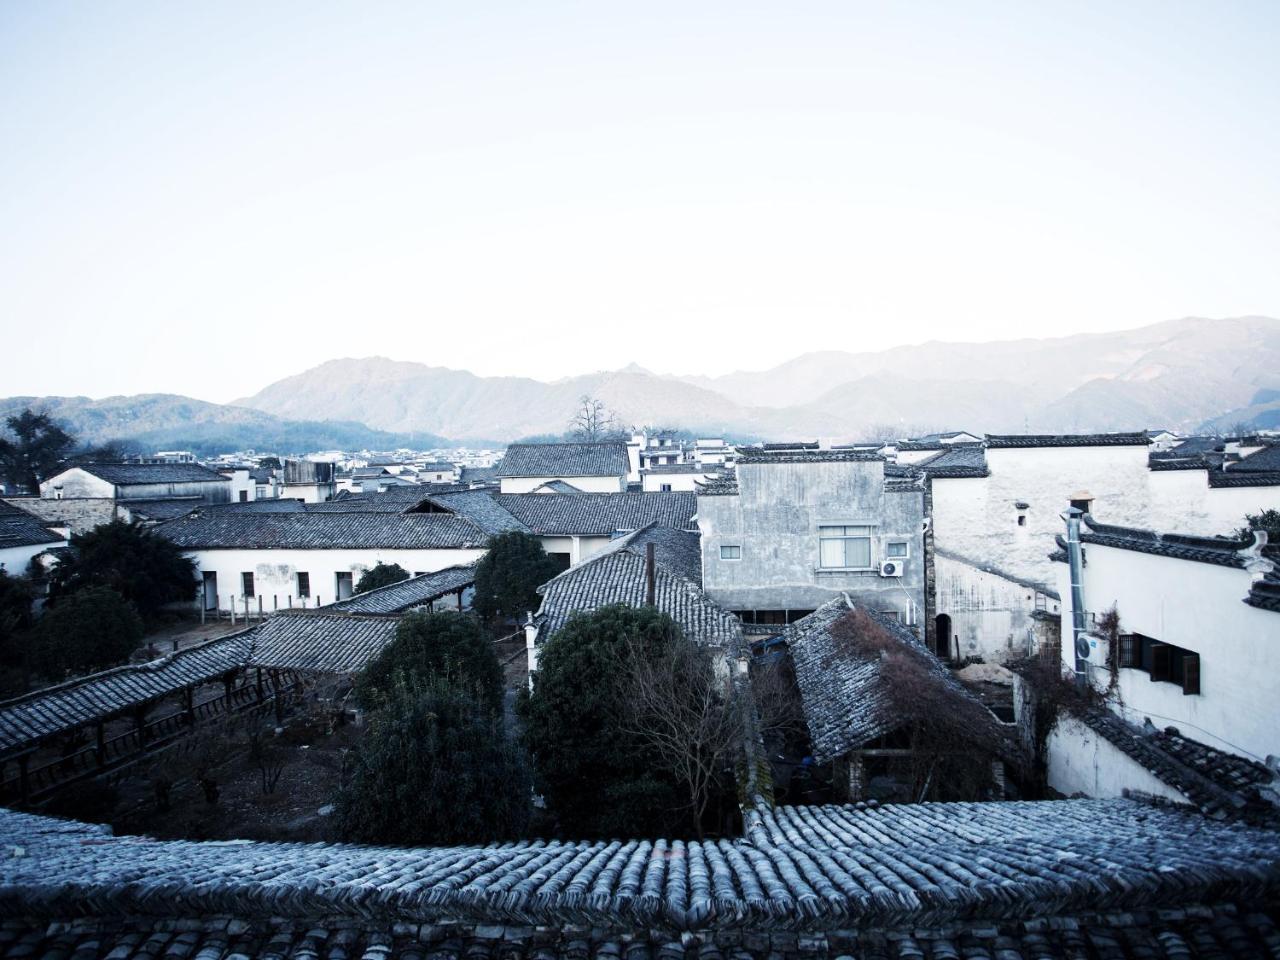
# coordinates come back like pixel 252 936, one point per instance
pixel 556 486
pixel 599 514
pixel 1236 477
pixel 319 642
pixel 680 468
pixel 958 461
pixel 1266 460
pixel 755 455
pixel 1160 462
pixel 1135 439
pixel 478 506
pixel 45 713
pixel 164 508
pixel 603 459
pixel 21 529
pixel 478 474
pixel 270 505
pixel 1219 784
pixel 222 530
pixel 414 592
pixel 1265 593
pixel 843 695
pixel 726 486
pixel 798 445
pixel 126 474
pixel 617 575
pixel 1073 878
pixel 1215 550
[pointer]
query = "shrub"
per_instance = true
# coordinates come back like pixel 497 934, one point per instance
pixel 434 767
pixel 597 775
pixel 88 630
pixel 383 575
pixel 135 562
pixel 15 615
pixel 508 576
pixel 445 645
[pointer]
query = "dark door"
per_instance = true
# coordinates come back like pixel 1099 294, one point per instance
pixel 942 636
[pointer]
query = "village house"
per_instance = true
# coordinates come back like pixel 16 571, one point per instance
pixel 600 467
pixel 800 526
pixel 23 537
pixel 138 481
pixel 269 561
pixel 1185 669
pixel 654 566
pixel 308 481
pixel 677 477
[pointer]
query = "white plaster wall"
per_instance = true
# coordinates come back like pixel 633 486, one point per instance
pixel 275 571
pixel 15 560
pixel 76 483
pixel 578 548
pixel 585 484
pixel 308 492
pixel 1183 502
pixel 1196 606
pixel 990 615
pixel 976 518
pixel 1078 760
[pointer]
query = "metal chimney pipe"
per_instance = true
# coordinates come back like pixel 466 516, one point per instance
pixel 650 576
pixel 1080 646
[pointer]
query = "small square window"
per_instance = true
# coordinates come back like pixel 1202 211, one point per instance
pixel 1022 519
pixel 896 549
pixel 730 552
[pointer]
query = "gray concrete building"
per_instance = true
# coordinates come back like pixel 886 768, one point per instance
pixel 797 528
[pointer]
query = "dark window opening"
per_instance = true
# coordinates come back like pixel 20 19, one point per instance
pixel 1083 506
pixel 1022 519
pixel 1163 661
pixel 561 560
pixel 304 585
pixel 244 496
pixel 246 584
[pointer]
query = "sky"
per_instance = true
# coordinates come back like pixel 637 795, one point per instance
pixel 203 198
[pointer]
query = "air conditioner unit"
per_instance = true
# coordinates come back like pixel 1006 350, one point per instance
pixel 1093 649
pixel 891 568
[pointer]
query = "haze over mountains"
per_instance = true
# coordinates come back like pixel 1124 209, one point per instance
pixel 1180 374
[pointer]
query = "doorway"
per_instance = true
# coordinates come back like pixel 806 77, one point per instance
pixel 942 636
pixel 210 590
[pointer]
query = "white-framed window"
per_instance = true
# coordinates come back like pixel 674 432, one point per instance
pixel 730 552
pixel 844 547
pixel 897 550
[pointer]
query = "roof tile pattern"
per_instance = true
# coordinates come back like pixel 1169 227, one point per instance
pixel 935 871
pixel 1136 439
pixel 21 529
pixel 407 594
pixel 602 459
pixel 477 506
pixel 132 474
pixel 599 514
pixel 220 529
pixel 959 461
pixel 617 575
pixel 320 643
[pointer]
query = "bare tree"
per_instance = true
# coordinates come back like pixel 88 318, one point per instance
pixel 592 420
pixel 676 702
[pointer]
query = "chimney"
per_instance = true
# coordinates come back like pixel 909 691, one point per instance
pixel 650 576
pixel 1075 563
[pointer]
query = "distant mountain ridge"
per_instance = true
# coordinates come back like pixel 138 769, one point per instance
pixel 1179 374
pixel 1182 374
pixel 156 421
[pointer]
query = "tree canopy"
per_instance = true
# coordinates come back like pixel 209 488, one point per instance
pixel 599 777
pixel 434 767
pixel 139 565
pixel 1268 520
pixel 88 630
pixel 15 615
pixel 509 574
pixel 35 451
pixel 383 575
pixel 434 646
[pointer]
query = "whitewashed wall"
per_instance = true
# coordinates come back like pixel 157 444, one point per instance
pixel 578 548
pixel 679 481
pixel 1078 760
pixel 991 616
pixel 275 571
pixel 1196 606
pixel 15 560
pixel 585 484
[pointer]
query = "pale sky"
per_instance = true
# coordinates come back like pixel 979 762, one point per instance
pixel 202 198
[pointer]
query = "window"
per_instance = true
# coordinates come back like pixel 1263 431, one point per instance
pixel 304 584
pixel 1163 661
pixel 246 584
pixel 847 548
pixel 728 552
pixel 342 585
pixel 664 488
pixel 896 550
pixel 1022 519
pixel 244 496
pixel 1083 505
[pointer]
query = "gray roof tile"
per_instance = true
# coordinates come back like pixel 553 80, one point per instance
pixel 21 529
pixel 398 597
pixel 599 514
pixel 132 474
pixel 220 529
pixel 602 459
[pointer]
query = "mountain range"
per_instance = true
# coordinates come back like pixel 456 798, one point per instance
pixel 1182 374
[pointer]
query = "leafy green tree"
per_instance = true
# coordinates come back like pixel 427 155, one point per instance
pixel 509 574
pixel 15 615
pixel 134 561
pixel 427 646
pixel 88 630
pixel 1268 520
pixel 597 775
pixel 435 767
pixel 383 575
pixel 36 450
